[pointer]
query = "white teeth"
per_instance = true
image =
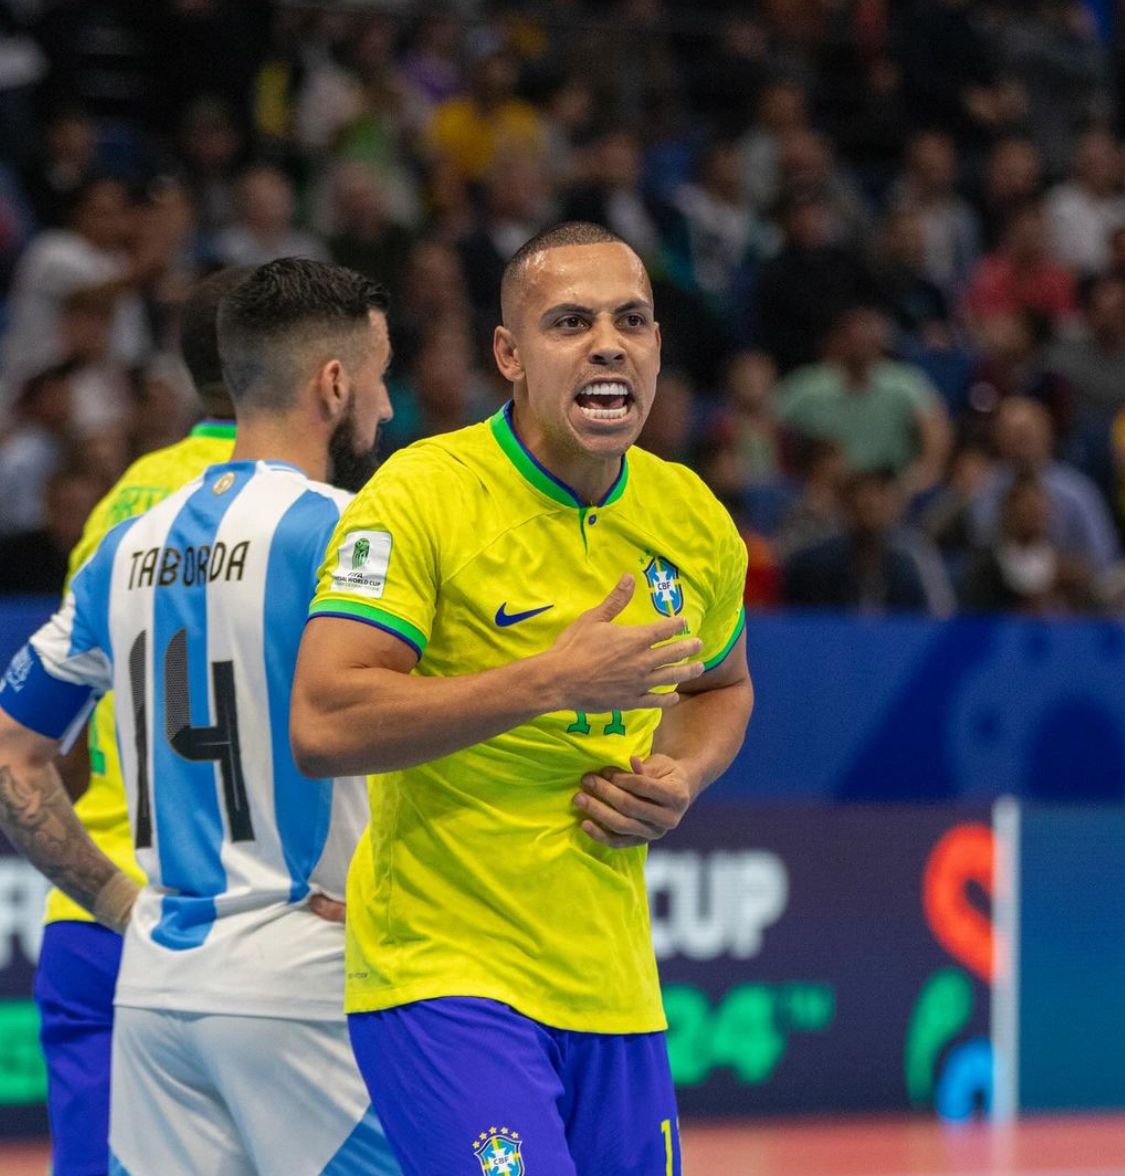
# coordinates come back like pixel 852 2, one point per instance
pixel 605 390
pixel 605 414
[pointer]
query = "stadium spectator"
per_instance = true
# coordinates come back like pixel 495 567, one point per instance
pixel 1012 361
pixel 360 230
pixel 100 250
pixel 1051 52
pixel 928 184
pixel 212 146
pixel 782 107
pixel 1023 570
pixel 807 159
pixel 471 130
pixel 517 204
pixel 669 431
pixel 1083 212
pixel 1013 175
pixel 263 229
pixel 816 512
pixel 883 414
pixel 433 296
pixel 869 565
pixel 612 195
pixel 791 323
pixel 62 159
pixel 443 390
pixel 951 77
pixel 725 238
pixel 34 562
pixel 1020 274
pixel 1080 523
pixel 912 297
pixel 35 447
pixel 1092 362
pixel 946 518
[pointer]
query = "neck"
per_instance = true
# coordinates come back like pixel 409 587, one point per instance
pixel 590 476
pixel 282 439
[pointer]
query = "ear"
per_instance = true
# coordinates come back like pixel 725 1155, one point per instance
pixel 507 355
pixel 659 347
pixel 332 385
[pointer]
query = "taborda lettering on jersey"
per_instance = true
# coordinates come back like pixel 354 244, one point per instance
pixel 362 561
pixel 164 566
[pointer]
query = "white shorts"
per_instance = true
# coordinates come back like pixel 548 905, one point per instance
pixel 201 1094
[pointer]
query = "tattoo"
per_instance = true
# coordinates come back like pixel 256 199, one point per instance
pixel 39 820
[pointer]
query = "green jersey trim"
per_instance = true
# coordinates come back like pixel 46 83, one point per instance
pixel 740 625
pixel 537 474
pixel 333 606
pixel 225 429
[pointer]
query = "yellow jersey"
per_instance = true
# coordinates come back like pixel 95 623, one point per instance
pixel 474 878
pixel 149 479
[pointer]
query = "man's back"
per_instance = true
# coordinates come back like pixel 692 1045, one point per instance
pixel 198 606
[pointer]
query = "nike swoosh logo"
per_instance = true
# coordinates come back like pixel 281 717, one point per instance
pixel 504 619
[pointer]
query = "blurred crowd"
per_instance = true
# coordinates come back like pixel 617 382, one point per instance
pixel 887 239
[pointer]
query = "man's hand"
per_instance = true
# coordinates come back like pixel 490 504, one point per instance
pixel 606 667
pixel 625 809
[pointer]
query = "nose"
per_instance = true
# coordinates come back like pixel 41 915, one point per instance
pixel 605 344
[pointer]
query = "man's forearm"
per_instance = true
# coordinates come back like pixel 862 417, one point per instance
pixel 378 720
pixel 38 818
pixel 705 732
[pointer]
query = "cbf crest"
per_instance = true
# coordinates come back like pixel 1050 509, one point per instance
pixel 498 1151
pixel 664 586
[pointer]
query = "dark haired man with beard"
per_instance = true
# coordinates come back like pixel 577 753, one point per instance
pixel 230 984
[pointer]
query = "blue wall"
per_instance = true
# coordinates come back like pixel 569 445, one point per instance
pixel 857 708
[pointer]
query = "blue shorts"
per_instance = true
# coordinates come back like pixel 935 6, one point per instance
pixel 74 986
pixel 469 1087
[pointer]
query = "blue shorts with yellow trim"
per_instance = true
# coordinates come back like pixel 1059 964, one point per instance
pixel 470 1087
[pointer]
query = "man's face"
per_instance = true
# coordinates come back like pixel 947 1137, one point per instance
pixel 582 350
pixel 354 446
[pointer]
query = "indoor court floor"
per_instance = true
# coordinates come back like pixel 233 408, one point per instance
pixel 1062 1146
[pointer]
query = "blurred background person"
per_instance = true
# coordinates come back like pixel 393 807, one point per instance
pixel 35 561
pixel 881 413
pixel 1079 521
pixel 868 565
pixel 1022 569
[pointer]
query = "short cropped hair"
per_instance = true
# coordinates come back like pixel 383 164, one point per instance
pixel 286 318
pixel 199 337
pixel 567 233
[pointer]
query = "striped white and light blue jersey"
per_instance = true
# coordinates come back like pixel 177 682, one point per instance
pixel 192 613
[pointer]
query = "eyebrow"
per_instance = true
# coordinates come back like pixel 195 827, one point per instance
pixel 578 308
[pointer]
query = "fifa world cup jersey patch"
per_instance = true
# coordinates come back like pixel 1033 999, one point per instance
pixel 499 1152
pixel 362 563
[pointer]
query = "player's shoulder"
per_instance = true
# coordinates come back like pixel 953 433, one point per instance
pixel 435 468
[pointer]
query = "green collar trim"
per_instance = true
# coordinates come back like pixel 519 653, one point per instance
pixel 533 471
pixel 223 429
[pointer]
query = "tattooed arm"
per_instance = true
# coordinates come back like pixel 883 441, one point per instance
pixel 38 818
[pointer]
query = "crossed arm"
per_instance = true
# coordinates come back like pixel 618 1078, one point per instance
pixel 39 819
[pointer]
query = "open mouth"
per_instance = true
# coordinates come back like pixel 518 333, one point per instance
pixel 605 400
